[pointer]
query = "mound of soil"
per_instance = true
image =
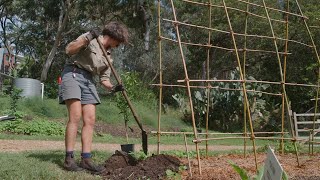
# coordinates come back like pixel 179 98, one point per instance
pixel 123 166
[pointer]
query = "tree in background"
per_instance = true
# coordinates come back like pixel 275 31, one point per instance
pixel 42 33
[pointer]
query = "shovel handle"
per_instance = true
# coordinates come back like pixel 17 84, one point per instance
pixel 124 93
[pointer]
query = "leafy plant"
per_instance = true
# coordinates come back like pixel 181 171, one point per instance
pixel 226 107
pixel 245 176
pixel 139 155
pixel 242 172
pixel 34 127
pixel 15 96
pixel 135 90
pixel 289 147
pixel 182 104
pixel 124 110
pixel 172 175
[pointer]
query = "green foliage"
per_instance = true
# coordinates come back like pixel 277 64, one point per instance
pixel 245 176
pixel 15 96
pixel 183 154
pixel 135 90
pixel 259 174
pixel 182 103
pixel 285 176
pixel 34 32
pixel 172 175
pixel 289 147
pixel 51 90
pixel 226 107
pixel 139 155
pixel 242 172
pixel 33 127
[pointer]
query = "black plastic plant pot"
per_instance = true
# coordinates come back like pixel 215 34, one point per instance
pixel 128 148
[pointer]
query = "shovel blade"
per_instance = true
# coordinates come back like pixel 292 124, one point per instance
pixel 144 142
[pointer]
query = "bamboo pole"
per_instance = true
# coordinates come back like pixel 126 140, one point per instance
pixel 243 83
pixel 269 8
pixel 238 34
pixel 282 77
pixel 187 152
pixel 160 78
pixel 178 132
pixel 241 137
pixel 249 81
pixel 309 144
pixel 188 85
pixel 216 87
pixel 278 38
pixel 236 9
pixel 315 112
pixel 200 45
pixel 244 74
pixel 208 77
pixel 318 58
pixel 222 48
pixel 219 138
pixel 315 142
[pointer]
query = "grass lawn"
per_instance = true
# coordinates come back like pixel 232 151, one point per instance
pixel 41 165
pixel 152 139
pixel 48 164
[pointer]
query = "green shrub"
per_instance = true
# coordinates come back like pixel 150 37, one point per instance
pixel 15 96
pixel 136 89
pixel 34 127
pixel 290 147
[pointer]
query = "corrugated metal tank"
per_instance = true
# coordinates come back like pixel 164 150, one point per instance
pixel 30 87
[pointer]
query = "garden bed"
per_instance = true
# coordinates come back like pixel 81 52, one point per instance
pixel 122 166
pixel 218 167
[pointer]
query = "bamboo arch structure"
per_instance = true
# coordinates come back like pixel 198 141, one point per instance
pixel 240 61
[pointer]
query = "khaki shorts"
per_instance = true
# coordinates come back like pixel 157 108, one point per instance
pixel 78 84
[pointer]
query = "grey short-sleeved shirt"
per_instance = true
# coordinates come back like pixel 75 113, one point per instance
pixel 91 59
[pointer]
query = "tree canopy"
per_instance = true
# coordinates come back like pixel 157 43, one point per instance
pixel 40 31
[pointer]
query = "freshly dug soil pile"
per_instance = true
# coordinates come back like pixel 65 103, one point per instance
pixel 123 166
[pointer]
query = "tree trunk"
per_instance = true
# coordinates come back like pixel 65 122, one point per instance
pixel 1 82
pixel 63 19
pixel 146 23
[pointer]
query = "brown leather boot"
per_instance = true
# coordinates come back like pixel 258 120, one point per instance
pixel 71 165
pixel 87 163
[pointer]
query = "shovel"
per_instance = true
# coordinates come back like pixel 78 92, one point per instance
pixel 124 93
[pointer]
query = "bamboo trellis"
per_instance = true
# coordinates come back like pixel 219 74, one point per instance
pixel 281 58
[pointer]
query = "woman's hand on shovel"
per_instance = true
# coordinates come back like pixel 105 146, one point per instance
pixel 117 88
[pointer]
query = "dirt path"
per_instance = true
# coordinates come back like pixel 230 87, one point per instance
pixel 31 145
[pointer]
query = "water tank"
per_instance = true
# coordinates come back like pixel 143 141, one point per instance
pixel 30 87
